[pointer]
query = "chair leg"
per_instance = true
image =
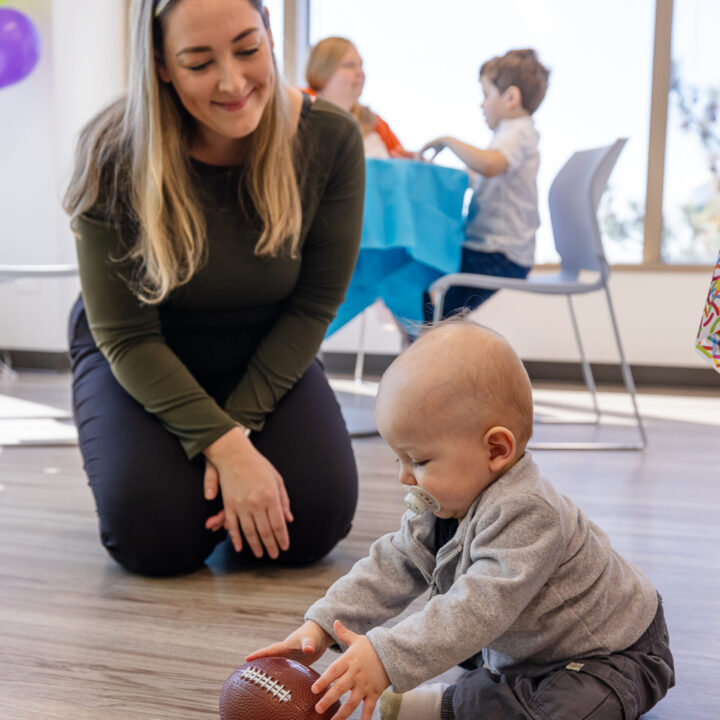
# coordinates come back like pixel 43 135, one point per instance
pixel 439 306
pixel 587 376
pixel 626 373
pixel 6 368
pixel 629 385
pixel 586 369
pixel 360 357
pixel 357 410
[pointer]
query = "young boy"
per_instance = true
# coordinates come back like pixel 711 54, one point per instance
pixel 503 213
pixel 524 589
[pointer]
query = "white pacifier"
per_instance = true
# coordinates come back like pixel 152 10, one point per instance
pixel 419 500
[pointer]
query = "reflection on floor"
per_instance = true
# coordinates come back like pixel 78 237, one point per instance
pixel 570 408
pixel 23 422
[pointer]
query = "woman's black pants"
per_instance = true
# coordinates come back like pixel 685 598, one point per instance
pixel 149 496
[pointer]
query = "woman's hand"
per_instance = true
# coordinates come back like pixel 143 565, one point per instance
pixel 255 502
pixel 306 645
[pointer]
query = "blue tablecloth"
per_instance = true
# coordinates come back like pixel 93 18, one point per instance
pixel 412 234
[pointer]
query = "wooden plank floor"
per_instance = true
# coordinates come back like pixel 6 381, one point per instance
pixel 81 639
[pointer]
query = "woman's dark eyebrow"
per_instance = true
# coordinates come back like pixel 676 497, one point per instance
pixel 203 48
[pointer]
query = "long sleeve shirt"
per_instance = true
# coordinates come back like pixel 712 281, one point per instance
pixel 224 348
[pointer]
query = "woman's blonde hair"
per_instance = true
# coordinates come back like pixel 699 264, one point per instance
pixel 325 58
pixel 133 158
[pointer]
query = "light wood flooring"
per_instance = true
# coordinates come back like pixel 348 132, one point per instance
pixel 80 639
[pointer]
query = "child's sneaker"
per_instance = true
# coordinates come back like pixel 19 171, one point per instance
pixel 422 703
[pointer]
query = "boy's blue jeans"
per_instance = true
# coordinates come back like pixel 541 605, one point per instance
pixel 480 263
pixel 620 686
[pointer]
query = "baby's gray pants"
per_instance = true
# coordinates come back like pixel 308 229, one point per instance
pixel 621 686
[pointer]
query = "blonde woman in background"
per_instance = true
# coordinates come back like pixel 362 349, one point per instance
pixel 218 217
pixel 335 72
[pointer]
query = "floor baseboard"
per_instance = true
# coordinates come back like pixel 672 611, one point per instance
pixel 36 360
pixel 343 363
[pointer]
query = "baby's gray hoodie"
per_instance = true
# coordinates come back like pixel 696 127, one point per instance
pixel 527 581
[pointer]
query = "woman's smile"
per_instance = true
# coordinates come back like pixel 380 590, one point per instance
pixel 234 104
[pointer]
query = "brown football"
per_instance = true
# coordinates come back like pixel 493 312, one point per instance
pixel 271 688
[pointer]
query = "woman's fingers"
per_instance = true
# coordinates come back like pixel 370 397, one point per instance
pixel 285 502
pixel 255 500
pixel 277 526
pixel 247 523
pixel 267 525
pixel 215 522
pixel 266 534
pixel 233 528
pixel 211 481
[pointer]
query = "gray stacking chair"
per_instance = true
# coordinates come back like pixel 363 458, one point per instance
pixel 17 272
pixel 10 273
pixel 574 199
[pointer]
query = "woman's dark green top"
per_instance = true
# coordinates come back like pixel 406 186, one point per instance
pixel 227 346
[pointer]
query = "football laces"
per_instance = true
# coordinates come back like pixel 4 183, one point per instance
pixel 267 683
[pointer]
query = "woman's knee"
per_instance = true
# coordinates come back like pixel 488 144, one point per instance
pixel 308 548
pixel 152 511
pixel 157 552
pixel 322 519
pixel 151 533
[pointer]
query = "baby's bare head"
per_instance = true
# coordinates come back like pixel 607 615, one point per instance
pixel 461 375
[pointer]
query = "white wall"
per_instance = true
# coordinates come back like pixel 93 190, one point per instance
pixel 80 69
pixel 658 314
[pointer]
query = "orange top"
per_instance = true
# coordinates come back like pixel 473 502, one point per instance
pixel 393 145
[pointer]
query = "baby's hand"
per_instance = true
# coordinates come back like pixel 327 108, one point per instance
pixel 358 670
pixel 306 645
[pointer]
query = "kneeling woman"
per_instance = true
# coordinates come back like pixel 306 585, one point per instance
pixel 218 217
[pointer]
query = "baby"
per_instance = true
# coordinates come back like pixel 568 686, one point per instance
pixel 525 591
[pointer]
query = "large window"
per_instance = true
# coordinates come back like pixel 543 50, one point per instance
pixel 422 59
pixel 691 216
pixel 276 10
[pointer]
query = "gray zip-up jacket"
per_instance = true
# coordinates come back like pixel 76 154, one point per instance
pixel 528 580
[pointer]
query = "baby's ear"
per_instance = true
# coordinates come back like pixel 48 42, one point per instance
pixel 501 446
pixel 513 97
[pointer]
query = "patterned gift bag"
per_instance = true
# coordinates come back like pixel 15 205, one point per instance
pixel 708 337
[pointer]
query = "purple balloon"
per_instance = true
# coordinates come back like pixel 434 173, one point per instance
pixel 19 46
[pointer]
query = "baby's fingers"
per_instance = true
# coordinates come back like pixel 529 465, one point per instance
pixel 336 670
pixel 276 650
pixel 334 693
pixel 368 707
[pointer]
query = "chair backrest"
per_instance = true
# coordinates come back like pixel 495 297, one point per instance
pixel 574 198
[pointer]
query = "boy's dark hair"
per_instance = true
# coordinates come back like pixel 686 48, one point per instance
pixel 522 69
